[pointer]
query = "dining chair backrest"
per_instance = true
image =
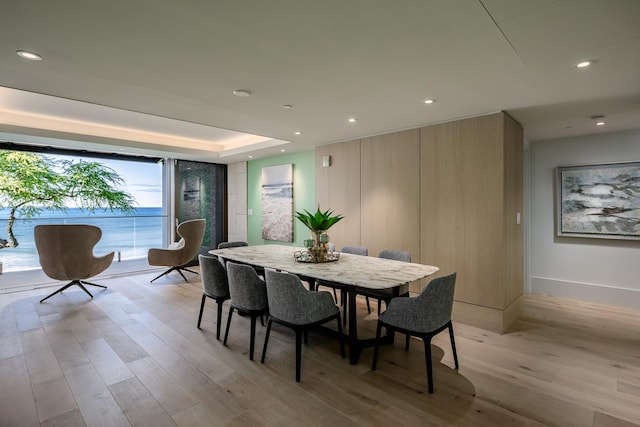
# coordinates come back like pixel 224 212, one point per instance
pixel 435 302
pixel 395 255
pixel 246 288
pixel 427 312
pixel 291 302
pixel 214 277
pixel 236 244
pixel 356 250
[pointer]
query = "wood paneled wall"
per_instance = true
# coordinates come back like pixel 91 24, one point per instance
pixel 391 178
pixel 338 188
pixel 449 194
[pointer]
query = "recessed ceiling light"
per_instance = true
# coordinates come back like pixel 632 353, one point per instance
pixel 287 106
pixel 352 120
pixel 29 55
pixel 429 101
pixel 297 133
pixel 283 150
pixel 601 123
pixel 585 64
pixel 251 157
pixel 241 92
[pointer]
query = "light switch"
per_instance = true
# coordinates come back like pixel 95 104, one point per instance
pixel 518 218
pixel 249 211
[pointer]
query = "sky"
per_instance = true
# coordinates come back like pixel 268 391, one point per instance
pixel 141 179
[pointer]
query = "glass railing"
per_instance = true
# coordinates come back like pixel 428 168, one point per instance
pixel 129 237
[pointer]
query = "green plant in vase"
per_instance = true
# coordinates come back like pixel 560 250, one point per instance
pixel 318 223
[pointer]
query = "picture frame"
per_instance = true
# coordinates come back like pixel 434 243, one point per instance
pixel 598 201
pixel 277 203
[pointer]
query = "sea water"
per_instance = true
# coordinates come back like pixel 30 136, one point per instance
pixel 129 235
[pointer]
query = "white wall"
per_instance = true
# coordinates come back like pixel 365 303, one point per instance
pixel 601 270
pixel 237 201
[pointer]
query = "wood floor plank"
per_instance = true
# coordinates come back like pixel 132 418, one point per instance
pixel 139 405
pixel 17 405
pixel 53 398
pixel 171 396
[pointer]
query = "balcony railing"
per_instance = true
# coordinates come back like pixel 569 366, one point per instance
pixel 128 236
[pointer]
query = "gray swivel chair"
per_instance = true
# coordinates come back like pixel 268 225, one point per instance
pixel 236 244
pixel 248 296
pixel 182 252
pixel 293 306
pixel 66 253
pixel 423 316
pixel 214 285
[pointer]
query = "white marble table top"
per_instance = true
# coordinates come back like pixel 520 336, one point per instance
pixel 355 270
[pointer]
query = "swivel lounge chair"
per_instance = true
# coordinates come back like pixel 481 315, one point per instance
pixel 182 252
pixel 66 253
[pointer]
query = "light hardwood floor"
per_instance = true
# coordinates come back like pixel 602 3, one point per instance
pixel 133 356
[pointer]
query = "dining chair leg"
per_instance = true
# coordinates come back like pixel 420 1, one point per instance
pixel 204 297
pixel 266 340
pixel 226 332
pixel 340 337
pixel 406 343
pixel 298 353
pixel 376 346
pixel 453 345
pixel 369 306
pixel 219 324
pixel 252 340
pixel 427 356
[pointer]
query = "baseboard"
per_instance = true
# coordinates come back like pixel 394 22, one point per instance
pixel 489 318
pixel 622 297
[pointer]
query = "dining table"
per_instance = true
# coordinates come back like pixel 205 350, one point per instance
pixel 351 273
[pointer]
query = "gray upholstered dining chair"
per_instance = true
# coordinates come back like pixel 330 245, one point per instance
pixel 235 244
pixel 248 296
pixel 292 305
pixel 386 294
pixel 423 316
pixel 182 252
pixel 214 285
pixel 66 253
pixel 356 250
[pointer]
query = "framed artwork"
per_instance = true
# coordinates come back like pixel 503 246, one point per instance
pixel 598 201
pixel 277 203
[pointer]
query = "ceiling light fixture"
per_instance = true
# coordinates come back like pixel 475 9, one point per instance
pixel 352 120
pixel 599 118
pixel 429 101
pixel 241 93
pixel 29 55
pixel 297 133
pixel 585 64
pixel 283 150
pixel 287 106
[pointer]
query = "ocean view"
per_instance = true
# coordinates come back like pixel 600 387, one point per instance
pixel 131 235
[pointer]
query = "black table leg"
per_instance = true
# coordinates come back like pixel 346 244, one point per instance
pixel 354 345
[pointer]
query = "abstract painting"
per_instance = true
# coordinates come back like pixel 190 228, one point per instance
pixel 277 203
pixel 600 201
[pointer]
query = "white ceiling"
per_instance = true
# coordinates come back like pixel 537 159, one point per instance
pixel 157 77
